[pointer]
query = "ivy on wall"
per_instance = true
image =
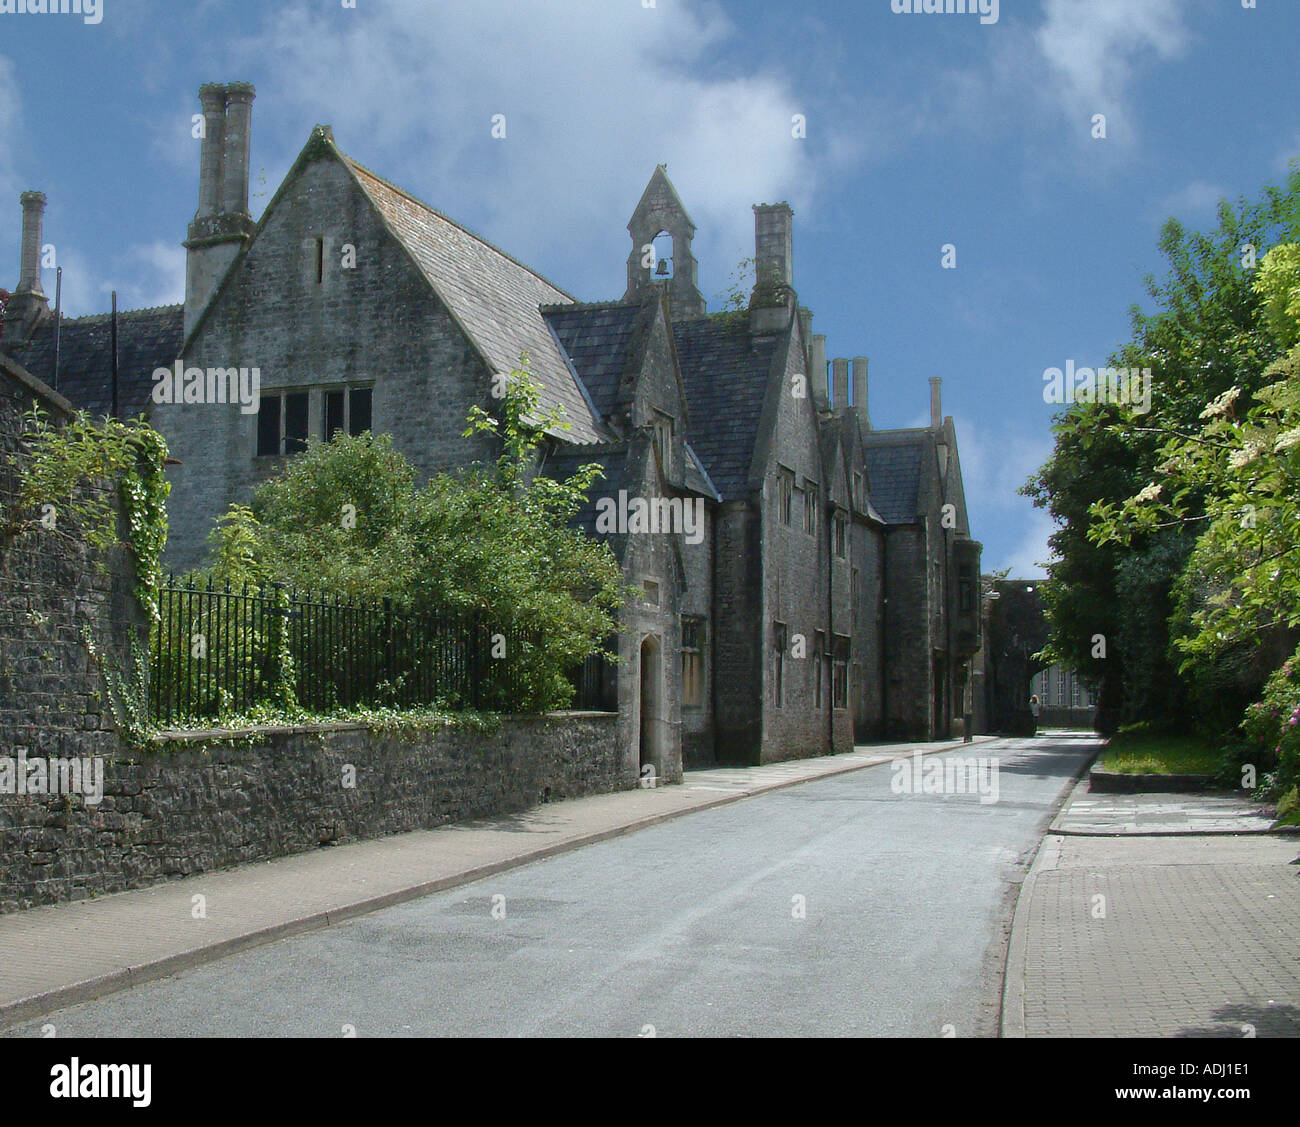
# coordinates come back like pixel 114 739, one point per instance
pixel 96 482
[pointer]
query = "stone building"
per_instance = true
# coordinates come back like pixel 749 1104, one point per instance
pixel 816 584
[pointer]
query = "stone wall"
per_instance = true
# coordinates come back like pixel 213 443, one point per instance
pixel 737 635
pixel 193 805
pixel 53 594
pixel 907 626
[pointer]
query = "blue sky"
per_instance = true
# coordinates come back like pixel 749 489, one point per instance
pixel 922 130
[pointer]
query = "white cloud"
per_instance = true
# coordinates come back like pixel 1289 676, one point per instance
pixel 1288 153
pixel 1095 49
pixel 994 466
pixel 595 95
pixel 10 214
pixel 1031 551
pixel 149 274
pixel 1084 58
pixel 1193 204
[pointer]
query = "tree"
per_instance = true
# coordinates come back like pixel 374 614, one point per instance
pixel 1235 477
pixel 1207 334
pixel 348 516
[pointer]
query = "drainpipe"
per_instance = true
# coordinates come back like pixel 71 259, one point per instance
pixel 114 363
pixel 830 620
pixel 884 634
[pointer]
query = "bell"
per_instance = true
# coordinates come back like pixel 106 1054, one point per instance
pixel 662 272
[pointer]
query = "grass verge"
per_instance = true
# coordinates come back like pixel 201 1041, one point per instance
pixel 1137 750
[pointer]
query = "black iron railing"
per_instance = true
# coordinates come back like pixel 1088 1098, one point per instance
pixel 595 685
pixel 218 651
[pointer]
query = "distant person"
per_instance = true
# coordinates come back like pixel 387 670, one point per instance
pixel 1033 705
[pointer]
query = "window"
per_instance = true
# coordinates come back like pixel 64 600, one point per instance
pixel 360 409
pixel 810 508
pixel 965 589
pixel 282 424
pixel 692 662
pixel 268 425
pixel 853 591
pixel 785 495
pixel 663 431
pixel 334 413
pixel 841 527
pixel 779 642
pixel 295 422
pixel 346 409
pixel 651 589
pixel 840 673
pixel 320 259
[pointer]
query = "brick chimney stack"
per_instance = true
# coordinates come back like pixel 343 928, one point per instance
pixel 222 225
pixel 936 402
pixel 28 306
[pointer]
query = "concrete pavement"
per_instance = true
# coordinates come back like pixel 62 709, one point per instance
pixel 58 956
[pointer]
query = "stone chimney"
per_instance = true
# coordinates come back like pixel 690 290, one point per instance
pixel 936 402
pixel 212 157
pixel 860 401
pixel 28 307
pixel 222 225
pixel 238 144
pixel 840 385
pixel 773 302
pixel 817 375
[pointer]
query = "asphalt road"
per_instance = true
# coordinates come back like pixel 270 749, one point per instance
pixel 834 908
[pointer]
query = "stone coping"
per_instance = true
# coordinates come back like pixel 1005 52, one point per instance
pixel 1117 782
pixel 211 735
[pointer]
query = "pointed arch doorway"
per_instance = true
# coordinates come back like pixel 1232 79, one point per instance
pixel 651 710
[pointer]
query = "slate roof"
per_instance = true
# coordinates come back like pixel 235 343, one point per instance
pixel 495 298
pixel 566 461
pixel 834 439
pixel 725 372
pixel 598 341
pixel 146 339
pixel 894 474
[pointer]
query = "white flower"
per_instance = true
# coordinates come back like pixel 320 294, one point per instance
pixel 1287 440
pixel 1245 455
pixel 1221 405
pixel 1150 493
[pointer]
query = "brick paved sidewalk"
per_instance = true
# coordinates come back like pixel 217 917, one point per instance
pixel 1192 936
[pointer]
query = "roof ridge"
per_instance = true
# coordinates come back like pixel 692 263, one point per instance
pixel 896 436
pixel 579 306
pixel 448 219
pixel 179 307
